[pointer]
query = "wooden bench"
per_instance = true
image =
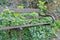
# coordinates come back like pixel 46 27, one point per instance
pixel 29 25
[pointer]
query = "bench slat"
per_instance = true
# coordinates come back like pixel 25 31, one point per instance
pixel 29 25
pixel 26 10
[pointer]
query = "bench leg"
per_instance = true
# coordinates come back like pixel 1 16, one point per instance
pixel 20 33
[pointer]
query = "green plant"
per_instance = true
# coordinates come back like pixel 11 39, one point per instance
pixel 42 7
pixel 3 1
pixel 57 24
pixel 20 7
